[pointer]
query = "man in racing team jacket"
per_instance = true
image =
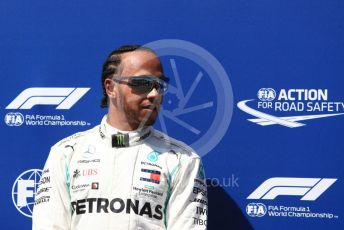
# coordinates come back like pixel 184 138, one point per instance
pixel 123 174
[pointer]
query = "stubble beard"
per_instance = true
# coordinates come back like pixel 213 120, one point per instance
pixel 136 120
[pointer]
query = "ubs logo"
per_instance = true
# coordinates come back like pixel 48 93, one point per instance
pixel 84 172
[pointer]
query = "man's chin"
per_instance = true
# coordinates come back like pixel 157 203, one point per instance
pixel 149 119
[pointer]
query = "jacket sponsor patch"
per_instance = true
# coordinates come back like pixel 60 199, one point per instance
pixel 152 176
pixel 117 205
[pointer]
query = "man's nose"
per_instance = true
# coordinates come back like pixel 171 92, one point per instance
pixel 153 93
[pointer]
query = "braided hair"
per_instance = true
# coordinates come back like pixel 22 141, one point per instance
pixel 111 64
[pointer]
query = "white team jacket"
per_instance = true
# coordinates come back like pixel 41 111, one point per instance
pixel 154 183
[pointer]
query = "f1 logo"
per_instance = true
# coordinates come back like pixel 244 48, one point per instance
pixel 309 188
pixel 65 98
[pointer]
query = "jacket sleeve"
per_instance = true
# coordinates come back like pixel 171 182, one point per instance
pixel 187 207
pixel 52 202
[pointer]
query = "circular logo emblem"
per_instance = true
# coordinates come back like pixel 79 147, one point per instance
pixel 153 156
pixel 14 119
pixel 90 151
pixel 24 191
pixel 266 94
pixel 256 209
pixel 199 96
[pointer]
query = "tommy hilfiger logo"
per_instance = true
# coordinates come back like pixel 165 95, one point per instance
pixel 152 176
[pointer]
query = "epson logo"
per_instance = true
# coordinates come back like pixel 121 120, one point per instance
pixel 64 98
pixel 309 188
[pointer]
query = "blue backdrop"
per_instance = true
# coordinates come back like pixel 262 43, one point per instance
pixel 257 90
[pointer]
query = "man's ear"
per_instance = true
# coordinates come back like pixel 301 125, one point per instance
pixel 110 88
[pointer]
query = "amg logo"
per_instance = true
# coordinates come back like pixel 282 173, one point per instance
pixel 308 188
pixel 116 205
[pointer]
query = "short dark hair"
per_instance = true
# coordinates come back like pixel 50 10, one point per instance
pixel 110 66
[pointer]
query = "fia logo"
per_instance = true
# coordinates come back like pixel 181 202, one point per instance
pixel 24 190
pixel 14 119
pixel 266 94
pixel 256 209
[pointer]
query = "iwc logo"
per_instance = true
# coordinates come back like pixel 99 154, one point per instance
pixel 24 190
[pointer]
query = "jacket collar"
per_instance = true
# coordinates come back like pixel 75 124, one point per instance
pixel 118 138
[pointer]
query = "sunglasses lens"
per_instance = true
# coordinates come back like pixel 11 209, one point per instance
pixel 142 85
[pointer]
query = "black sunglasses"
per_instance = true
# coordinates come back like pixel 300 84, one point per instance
pixel 145 84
